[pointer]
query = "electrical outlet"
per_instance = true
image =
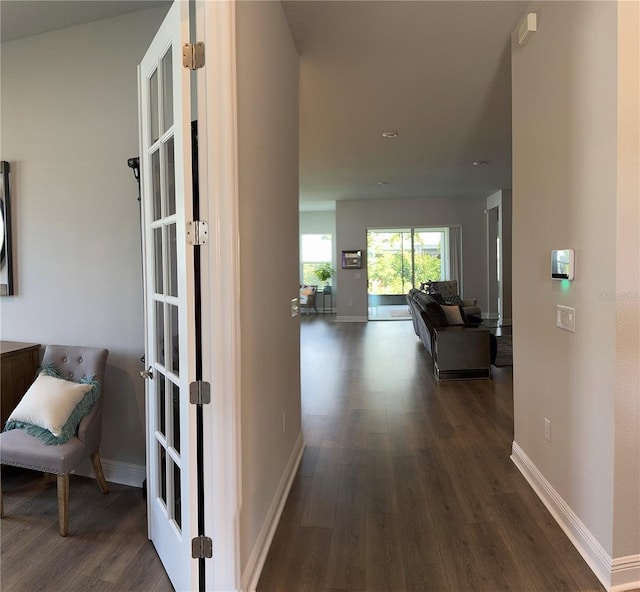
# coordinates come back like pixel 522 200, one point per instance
pixel 547 429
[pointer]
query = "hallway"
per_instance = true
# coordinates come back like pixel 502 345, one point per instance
pixel 406 484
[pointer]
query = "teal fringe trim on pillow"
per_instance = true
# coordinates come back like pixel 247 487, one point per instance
pixel 44 435
pixel 50 369
pixel 70 428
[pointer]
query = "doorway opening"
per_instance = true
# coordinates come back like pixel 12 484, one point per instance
pixel 399 259
pixel 493 264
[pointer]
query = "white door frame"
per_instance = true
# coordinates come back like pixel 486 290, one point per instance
pixel 495 201
pixel 494 263
pixel 218 185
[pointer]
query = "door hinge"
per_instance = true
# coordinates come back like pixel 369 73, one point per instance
pixel 193 55
pixel 201 547
pixel 197 232
pixel 199 393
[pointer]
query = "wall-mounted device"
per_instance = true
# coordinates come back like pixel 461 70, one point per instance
pixel 527 27
pixel 562 264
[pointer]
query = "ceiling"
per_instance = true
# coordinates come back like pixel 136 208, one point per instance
pixel 436 72
pixel 23 18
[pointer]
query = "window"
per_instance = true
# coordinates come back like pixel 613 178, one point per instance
pixel 402 258
pixel 315 249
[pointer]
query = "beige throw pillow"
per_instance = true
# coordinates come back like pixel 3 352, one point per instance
pixel 49 402
pixel 453 314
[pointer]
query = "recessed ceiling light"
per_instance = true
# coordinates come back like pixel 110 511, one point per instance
pixel 390 134
pixel 480 162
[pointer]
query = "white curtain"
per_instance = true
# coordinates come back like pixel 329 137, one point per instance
pixel 455 255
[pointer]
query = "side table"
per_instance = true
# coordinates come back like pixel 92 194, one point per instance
pixel 326 293
pixel 18 366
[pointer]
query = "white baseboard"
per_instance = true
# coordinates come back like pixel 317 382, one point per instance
pixel 115 472
pixel 253 569
pixel 625 573
pixel 342 319
pixel 616 575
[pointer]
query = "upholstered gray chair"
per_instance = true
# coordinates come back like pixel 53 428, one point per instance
pixel 20 449
pixel 308 298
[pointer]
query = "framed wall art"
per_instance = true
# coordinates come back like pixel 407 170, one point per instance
pixel 6 256
pixel 351 259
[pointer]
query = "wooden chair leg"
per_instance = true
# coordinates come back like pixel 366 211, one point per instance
pixel 97 467
pixel 63 504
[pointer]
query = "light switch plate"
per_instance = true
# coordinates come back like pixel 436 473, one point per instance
pixel 294 307
pixel 566 318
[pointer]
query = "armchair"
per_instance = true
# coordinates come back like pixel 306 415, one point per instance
pixel 308 297
pixel 20 449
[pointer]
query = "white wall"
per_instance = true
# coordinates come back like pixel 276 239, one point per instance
pixel 69 123
pixel 267 81
pixel 354 217
pixel 566 194
pixel 318 223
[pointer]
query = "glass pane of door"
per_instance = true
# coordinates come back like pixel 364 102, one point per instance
pixel 167 91
pixel 389 272
pixel 429 256
pixel 153 106
pixel 400 259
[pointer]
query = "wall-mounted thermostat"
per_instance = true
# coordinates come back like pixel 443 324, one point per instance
pixel 562 264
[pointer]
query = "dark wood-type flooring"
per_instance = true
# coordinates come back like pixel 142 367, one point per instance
pixel 107 549
pixel 406 484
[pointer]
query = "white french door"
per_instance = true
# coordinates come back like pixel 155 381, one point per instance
pixel 170 299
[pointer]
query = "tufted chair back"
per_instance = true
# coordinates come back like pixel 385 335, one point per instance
pixel 75 363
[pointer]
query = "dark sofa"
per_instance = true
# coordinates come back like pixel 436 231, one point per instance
pixel 458 351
